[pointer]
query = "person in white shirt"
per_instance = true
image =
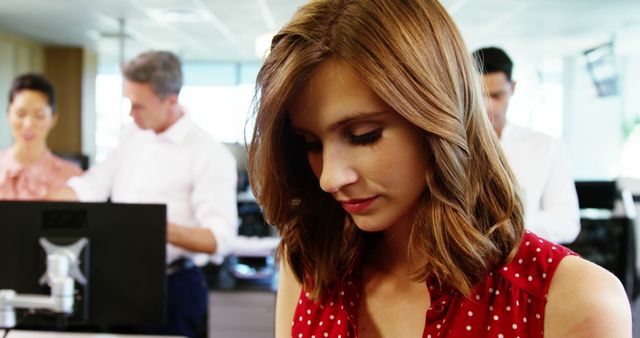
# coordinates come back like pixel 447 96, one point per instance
pixel 538 161
pixel 166 158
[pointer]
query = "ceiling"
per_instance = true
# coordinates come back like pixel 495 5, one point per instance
pixel 224 30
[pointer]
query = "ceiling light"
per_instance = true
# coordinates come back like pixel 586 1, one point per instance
pixel 165 15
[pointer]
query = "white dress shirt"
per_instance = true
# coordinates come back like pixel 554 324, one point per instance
pixel 184 168
pixel 547 187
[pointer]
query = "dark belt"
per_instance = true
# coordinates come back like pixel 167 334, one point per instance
pixel 180 264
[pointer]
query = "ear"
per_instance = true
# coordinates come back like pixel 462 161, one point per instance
pixel 54 119
pixel 513 86
pixel 172 99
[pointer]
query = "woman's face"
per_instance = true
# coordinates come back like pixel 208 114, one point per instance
pixel 367 156
pixel 30 117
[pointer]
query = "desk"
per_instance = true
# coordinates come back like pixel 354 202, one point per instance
pixel 46 334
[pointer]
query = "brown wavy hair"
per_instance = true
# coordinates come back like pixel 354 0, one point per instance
pixel 412 56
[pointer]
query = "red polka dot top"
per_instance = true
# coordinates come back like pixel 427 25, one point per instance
pixel 510 302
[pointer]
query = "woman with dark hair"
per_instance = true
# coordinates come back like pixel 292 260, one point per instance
pixel 28 169
pixel 398 212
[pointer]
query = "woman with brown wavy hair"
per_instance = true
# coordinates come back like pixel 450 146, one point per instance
pixel 398 213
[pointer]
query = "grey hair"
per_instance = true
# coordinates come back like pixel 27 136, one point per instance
pixel 161 70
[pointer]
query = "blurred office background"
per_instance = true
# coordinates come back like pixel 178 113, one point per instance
pixel 577 63
pixel 590 100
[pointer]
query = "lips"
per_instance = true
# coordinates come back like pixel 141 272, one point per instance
pixel 28 136
pixel 357 205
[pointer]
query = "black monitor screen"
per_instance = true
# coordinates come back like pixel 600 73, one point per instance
pixel 597 194
pixel 123 262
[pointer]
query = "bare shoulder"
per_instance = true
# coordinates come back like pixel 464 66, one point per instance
pixel 286 300
pixel 586 300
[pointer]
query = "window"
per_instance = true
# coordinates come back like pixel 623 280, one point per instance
pixel 217 96
pixel 537 102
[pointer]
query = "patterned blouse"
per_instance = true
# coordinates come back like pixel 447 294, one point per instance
pixel 510 302
pixel 36 181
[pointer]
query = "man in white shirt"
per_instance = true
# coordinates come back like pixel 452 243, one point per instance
pixel 538 161
pixel 166 158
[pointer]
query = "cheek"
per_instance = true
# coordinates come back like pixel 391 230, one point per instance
pixel 46 126
pixel 16 124
pixel 405 163
pixel 12 118
pixel 491 104
pixel 42 126
pixel 408 169
pixel 500 104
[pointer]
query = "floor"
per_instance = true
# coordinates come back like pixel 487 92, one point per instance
pixel 241 314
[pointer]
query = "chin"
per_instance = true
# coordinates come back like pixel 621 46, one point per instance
pixel 368 225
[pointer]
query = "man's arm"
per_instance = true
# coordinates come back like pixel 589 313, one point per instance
pixel 96 183
pixel 192 239
pixel 558 218
pixel 64 194
pixel 214 202
pixel 93 186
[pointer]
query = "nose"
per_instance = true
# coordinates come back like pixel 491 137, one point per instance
pixel 337 170
pixel 27 121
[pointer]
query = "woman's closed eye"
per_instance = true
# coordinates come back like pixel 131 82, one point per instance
pixel 20 113
pixel 356 138
pixel 366 138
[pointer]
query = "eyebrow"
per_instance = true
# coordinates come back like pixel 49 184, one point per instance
pixel 355 117
pixel 495 92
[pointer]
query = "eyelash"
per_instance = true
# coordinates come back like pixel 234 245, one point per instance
pixel 358 140
pixel 366 138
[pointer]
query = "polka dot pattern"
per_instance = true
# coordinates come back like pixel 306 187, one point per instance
pixel 508 303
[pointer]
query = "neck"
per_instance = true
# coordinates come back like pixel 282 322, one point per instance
pixel 389 254
pixel 500 129
pixel 27 154
pixel 174 116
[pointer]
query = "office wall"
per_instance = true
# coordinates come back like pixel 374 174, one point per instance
pixel 89 113
pixel 595 129
pixel 592 127
pixel 630 86
pixel 17 55
pixel 73 71
pixel 63 67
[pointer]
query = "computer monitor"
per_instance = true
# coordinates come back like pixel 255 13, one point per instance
pixel 124 261
pixel 597 194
